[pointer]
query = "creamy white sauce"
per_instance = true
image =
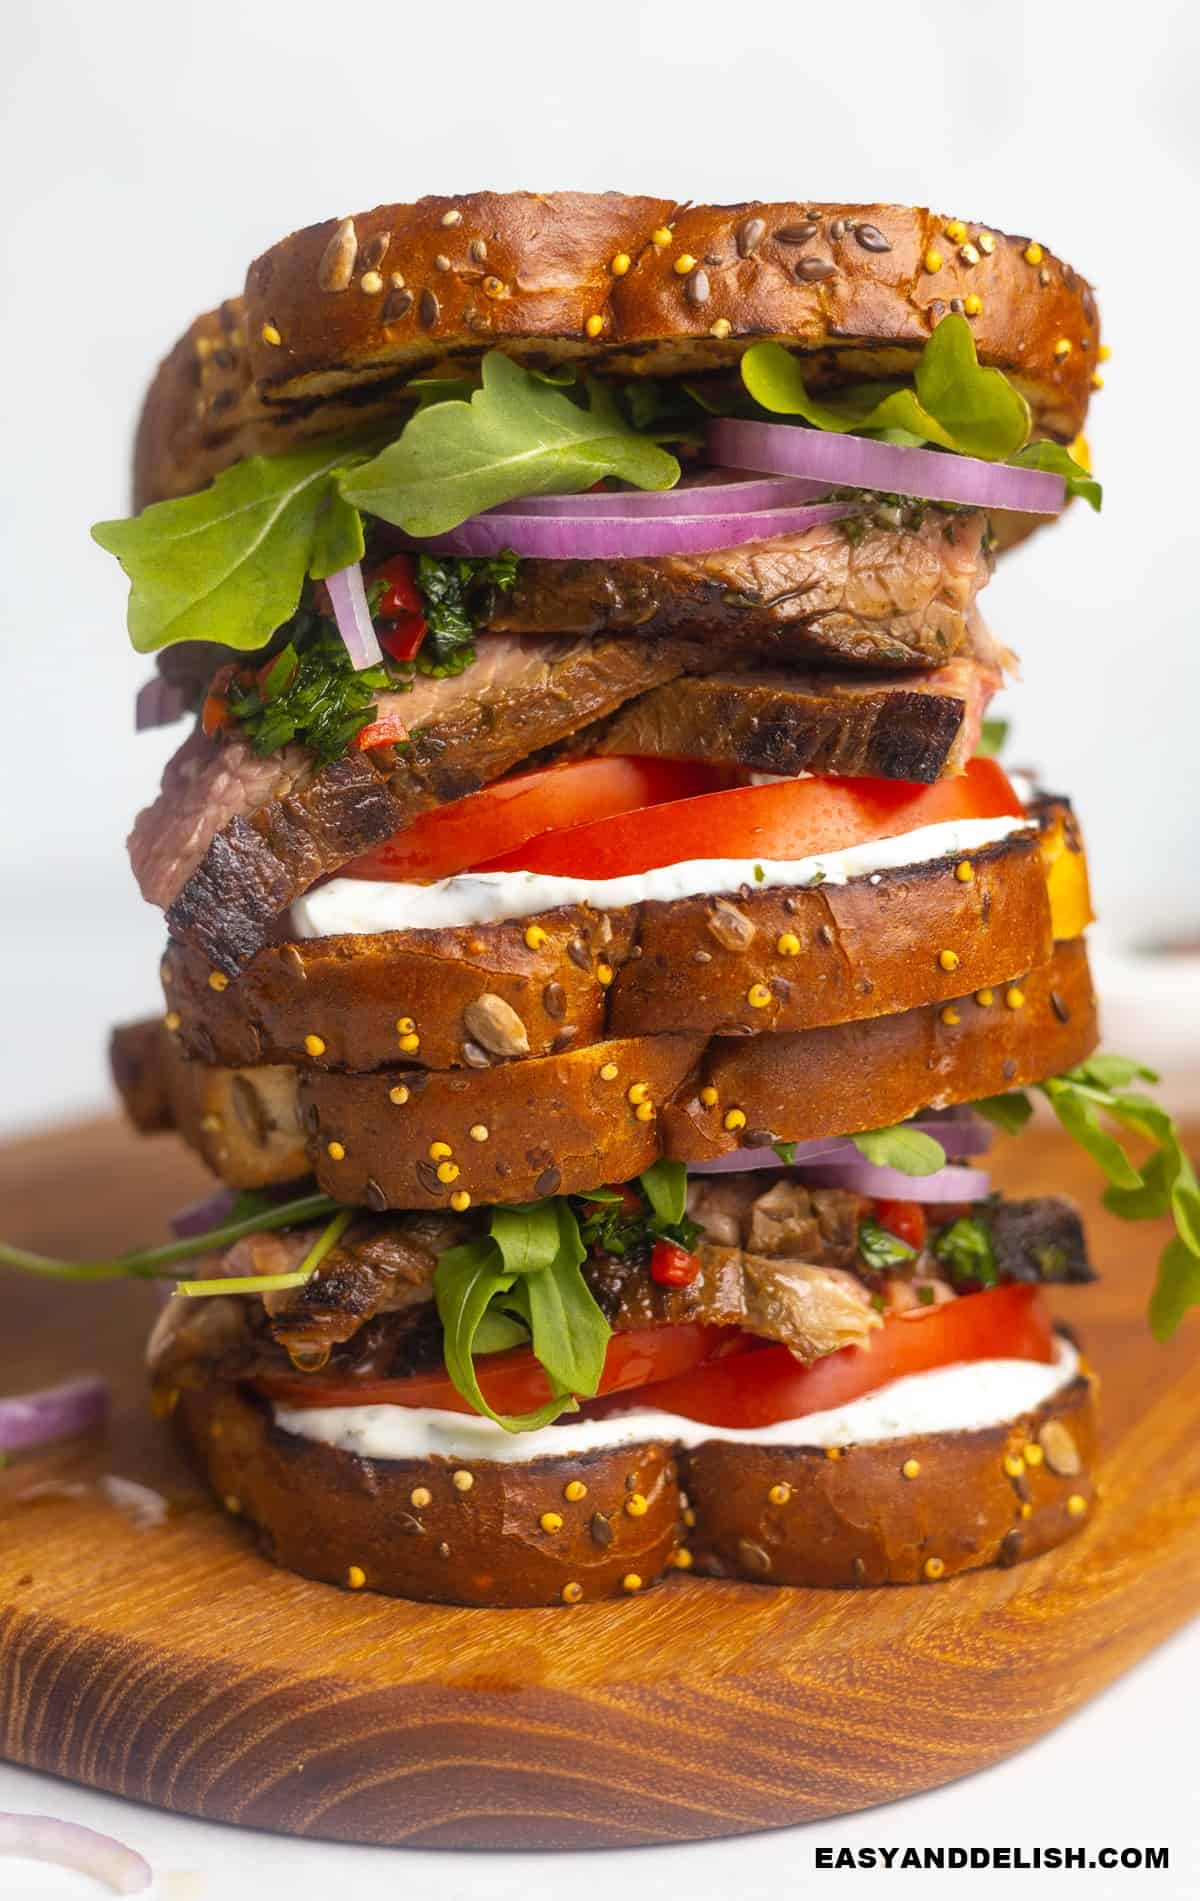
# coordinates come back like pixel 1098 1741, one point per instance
pixel 961 1398
pixel 358 906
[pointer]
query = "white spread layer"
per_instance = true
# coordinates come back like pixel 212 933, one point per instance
pixel 358 906
pixel 961 1398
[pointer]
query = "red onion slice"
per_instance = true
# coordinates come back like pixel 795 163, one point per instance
pixel 159 703
pixel 859 462
pixel 199 1216
pixel 70 1845
pixel 580 537
pixel 348 598
pixel 888 1184
pixel 55 1412
pixel 959 1130
pixel 716 492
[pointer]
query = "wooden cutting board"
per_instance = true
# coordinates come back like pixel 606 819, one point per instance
pixel 174 1665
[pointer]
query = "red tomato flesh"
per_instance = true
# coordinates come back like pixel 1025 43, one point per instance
pixel 719 1376
pixel 515 1382
pixel 788 820
pixel 508 814
pixel 766 1385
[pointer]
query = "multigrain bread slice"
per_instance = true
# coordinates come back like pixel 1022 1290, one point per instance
pixel 339 317
pixel 563 1530
pixel 565 1123
pixel 751 961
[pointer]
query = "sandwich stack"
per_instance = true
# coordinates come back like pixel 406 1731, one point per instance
pixel 601 939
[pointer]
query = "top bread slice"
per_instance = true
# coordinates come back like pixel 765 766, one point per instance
pixel 337 319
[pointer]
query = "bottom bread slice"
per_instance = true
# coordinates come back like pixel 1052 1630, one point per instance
pixel 611 1520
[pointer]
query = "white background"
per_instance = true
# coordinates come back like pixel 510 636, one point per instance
pixel 150 150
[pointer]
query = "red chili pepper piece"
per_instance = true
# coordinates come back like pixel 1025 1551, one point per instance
pixel 388 731
pixel 673 1266
pixel 904 1219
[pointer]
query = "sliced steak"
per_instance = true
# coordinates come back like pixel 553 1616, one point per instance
pixel 383 1265
pixel 812 1309
pixel 916 727
pixel 1041 1239
pixel 232 838
pixel 888 597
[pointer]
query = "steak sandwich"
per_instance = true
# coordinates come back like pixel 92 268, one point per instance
pixel 601 941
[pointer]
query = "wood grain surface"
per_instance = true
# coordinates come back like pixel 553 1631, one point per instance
pixel 174 1665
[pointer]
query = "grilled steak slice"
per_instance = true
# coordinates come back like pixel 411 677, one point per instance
pixel 886 597
pixel 382 1265
pixel 916 727
pixel 812 1309
pixel 1039 1240
pixel 232 839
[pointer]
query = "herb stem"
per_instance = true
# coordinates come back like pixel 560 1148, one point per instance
pixel 157 1263
pixel 276 1283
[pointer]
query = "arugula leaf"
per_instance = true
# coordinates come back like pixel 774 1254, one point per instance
pixel 881 1249
pixel 465 1283
pixel 252 1214
pixel 992 735
pixel 569 1332
pixel 1079 1113
pixel 528 1266
pixel 1165 1184
pixel 516 436
pixel 965 1249
pixel 665 1186
pixel 786 1152
pixel 528 1235
pixel 499 1332
pixel 955 404
pixel 1008 1112
pixel 228 564
pixel 1059 461
pixel 910 1151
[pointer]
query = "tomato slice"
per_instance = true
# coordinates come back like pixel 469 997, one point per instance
pixel 764 1386
pixel 515 1382
pixel 787 820
pixel 505 816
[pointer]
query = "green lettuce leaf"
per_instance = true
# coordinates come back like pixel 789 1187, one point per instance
pixel 955 403
pixel 517 435
pixel 229 563
pixel 910 1151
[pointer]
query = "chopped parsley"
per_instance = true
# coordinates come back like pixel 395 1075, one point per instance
pixel 308 691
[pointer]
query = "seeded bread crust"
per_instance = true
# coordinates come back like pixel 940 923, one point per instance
pixel 337 318
pixel 750 962
pixel 563 1124
pixel 557 1530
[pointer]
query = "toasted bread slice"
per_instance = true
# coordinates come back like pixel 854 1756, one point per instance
pixel 565 1123
pixel 339 317
pixel 740 964
pixel 456 1533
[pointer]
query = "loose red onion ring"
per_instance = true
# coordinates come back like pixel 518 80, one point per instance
pixel 159 703
pixel 582 537
pixel 348 598
pixel 859 462
pixel 70 1845
pixel 55 1412
pixel 889 1184
pixel 716 492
